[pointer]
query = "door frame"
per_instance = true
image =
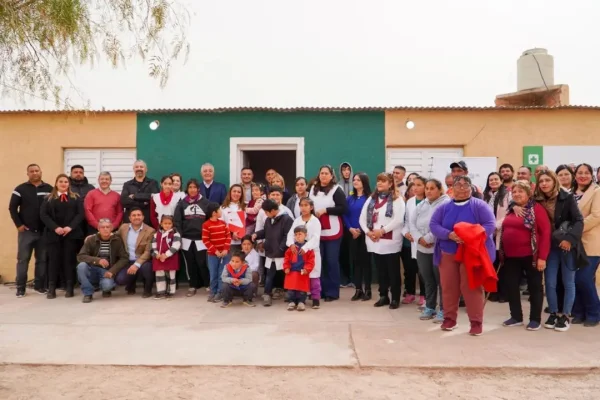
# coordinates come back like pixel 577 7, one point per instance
pixel 237 146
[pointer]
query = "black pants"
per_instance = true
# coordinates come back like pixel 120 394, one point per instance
pixel 228 292
pixel 346 258
pixel 411 270
pixel 361 260
pixel 501 293
pixel 62 257
pixel 196 268
pixel 513 272
pixel 388 270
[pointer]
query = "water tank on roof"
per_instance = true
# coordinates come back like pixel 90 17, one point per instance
pixel 532 66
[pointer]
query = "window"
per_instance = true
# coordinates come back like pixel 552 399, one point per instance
pixel 419 160
pixel 119 162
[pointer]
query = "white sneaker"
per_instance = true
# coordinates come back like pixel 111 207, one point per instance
pixel 292 306
pixel 301 307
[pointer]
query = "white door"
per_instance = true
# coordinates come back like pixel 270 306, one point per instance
pixel 419 160
pixel 119 162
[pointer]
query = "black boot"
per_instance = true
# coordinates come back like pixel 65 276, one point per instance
pixel 69 291
pixel 383 301
pixel 51 292
pixel 357 295
pixel 367 296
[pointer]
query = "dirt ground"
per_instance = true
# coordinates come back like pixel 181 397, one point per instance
pixel 117 383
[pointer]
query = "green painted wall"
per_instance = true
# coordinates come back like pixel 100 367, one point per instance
pixel 184 141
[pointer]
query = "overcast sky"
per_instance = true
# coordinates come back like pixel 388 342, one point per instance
pixel 279 53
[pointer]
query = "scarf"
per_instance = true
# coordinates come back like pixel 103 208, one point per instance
pixel 529 221
pixel 236 274
pixel 549 203
pixel 191 199
pixel 492 199
pixel 165 199
pixel 63 198
pixel 389 210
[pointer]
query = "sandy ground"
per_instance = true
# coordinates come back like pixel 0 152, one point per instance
pixel 117 383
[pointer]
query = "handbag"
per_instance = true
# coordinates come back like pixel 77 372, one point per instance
pixel 562 232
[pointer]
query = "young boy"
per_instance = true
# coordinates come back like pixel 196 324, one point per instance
pixel 252 259
pixel 237 281
pixel 217 239
pixel 297 266
pixel 274 232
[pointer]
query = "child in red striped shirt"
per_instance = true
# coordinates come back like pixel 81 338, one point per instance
pixel 217 239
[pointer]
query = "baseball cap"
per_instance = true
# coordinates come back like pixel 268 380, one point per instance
pixel 459 164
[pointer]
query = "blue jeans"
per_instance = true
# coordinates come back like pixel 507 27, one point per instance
pixel 90 276
pixel 330 269
pixel 587 303
pixel 566 261
pixel 215 269
pixel 296 296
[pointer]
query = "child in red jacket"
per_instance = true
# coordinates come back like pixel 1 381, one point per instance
pixel 297 265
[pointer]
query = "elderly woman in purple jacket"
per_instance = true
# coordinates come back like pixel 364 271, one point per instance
pixel 453 274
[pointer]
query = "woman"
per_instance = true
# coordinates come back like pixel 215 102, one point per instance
pixel 164 202
pixel 301 186
pixel 419 229
pixel 269 176
pixel 277 180
pixel 566 248
pixel 566 177
pixel 359 257
pixel 498 197
pixel 408 254
pixel 411 177
pixel 177 181
pixel 586 309
pixel 453 274
pixel 190 215
pixel 381 219
pixel 62 214
pixel 525 244
pixel 234 214
pixel 330 205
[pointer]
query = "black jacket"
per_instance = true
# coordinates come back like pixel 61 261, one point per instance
pixel 142 192
pixel 55 214
pixel 275 235
pixel 566 210
pixel 189 218
pixel 81 188
pixel 25 203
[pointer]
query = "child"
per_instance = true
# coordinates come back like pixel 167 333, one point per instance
pixel 252 259
pixel 253 207
pixel 217 239
pixel 275 231
pixel 237 281
pixel 165 245
pixel 313 227
pixel 297 264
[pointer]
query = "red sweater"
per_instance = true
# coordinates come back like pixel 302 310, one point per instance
pixel 215 236
pixel 516 237
pixel 98 205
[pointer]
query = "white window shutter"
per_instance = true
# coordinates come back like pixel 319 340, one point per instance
pixel 119 162
pixel 419 160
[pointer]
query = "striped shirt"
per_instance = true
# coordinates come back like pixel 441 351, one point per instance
pixel 104 251
pixel 215 236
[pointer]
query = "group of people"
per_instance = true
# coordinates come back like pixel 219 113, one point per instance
pixel 456 242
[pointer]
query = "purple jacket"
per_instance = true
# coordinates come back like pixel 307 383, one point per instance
pixel 445 217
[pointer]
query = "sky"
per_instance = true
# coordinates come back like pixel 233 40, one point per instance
pixel 351 53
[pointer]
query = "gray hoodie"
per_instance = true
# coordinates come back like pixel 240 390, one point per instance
pixel 419 221
pixel 346 184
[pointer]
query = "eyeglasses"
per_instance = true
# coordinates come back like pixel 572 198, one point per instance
pixel 461 186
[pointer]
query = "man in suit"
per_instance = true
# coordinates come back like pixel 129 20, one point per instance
pixel 213 191
pixel 138 242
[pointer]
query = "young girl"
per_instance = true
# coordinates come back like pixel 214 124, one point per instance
pixel 293 203
pixel 313 227
pixel 234 215
pixel 165 260
pixel 252 259
pixel 254 206
pixel 164 203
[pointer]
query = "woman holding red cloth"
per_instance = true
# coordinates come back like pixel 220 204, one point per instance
pixel 525 245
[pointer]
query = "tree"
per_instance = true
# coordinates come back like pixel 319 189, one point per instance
pixel 41 41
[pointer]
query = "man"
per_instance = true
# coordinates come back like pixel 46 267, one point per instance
pixel 138 191
pixel 79 183
pixel 247 176
pixel 102 203
pixel 101 258
pixel 541 168
pixel 346 178
pixel 459 168
pixel 213 191
pixel 24 207
pixel 524 174
pixel 137 238
pixel 399 173
pixel 507 173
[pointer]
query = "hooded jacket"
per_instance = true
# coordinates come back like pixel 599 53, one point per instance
pixel 346 184
pixel 275 235
pixel 190 216
pixel 419 222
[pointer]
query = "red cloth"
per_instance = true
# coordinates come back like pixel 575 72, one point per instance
pixel 236 274
pixel 472 253
pixel 295 280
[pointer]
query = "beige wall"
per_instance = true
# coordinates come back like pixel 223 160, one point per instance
pixel 41 138
pixel 489 133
